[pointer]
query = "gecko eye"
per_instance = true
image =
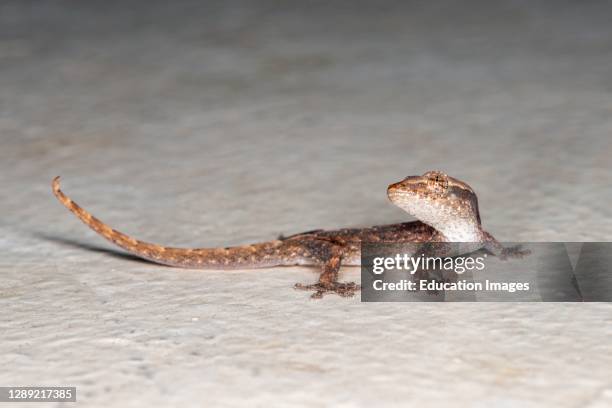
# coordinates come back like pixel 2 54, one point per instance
pixel 437 182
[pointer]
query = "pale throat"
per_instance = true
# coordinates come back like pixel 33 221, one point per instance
pixel 454 227
pixel 460 230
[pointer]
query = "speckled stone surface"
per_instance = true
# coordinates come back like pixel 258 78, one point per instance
pixel 225 123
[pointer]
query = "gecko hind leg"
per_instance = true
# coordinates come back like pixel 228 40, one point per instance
pixel 328 281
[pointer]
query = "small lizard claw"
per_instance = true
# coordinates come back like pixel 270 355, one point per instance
pixel 514 252
pixel 344 289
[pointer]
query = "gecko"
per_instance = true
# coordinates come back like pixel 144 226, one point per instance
pixel 446 210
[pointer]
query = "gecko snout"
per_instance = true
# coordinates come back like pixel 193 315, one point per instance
pixel 393 190
pixel 404 186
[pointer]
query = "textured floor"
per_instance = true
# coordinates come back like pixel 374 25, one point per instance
pixel 198 125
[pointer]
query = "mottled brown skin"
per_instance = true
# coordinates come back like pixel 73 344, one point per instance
pixel 446 207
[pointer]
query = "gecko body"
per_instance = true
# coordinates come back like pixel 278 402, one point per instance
pixel 446 209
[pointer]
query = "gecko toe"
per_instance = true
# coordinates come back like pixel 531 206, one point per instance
pixel 343 289
pixel 317 295
pixel 514 252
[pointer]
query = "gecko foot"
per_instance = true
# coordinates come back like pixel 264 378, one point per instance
pixel 344 289
pixel 514 252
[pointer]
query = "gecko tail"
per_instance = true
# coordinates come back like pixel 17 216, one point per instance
pixel 248 256
pixel 142 249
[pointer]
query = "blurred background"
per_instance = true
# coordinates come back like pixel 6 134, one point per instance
pixel 202 123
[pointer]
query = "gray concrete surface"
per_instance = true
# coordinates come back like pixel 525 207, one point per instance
pixel 223 123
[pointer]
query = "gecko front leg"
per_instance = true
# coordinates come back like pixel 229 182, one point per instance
pixel 329 256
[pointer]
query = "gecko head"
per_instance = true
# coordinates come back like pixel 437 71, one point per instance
pixel 438 200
